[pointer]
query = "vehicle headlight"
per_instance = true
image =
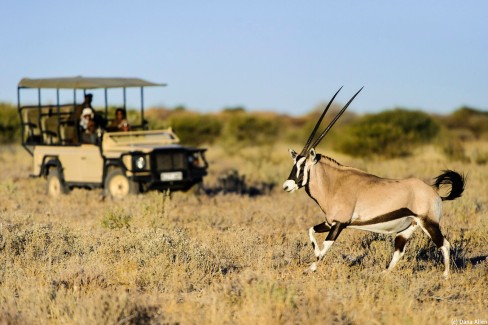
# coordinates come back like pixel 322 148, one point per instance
pixel 140 162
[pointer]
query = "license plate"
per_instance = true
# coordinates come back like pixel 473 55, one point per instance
pixel 171 176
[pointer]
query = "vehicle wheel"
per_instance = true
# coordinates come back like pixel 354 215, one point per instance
pixel 118 186
pixel 55 183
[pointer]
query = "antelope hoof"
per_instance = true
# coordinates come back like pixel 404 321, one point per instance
pixel 385 272
pixel 311 269
pixel 445 276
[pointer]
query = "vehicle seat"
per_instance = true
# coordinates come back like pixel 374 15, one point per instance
pixel 50 129
pixel 32 131
pixel 68 133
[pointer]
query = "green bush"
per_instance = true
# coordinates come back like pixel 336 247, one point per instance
pixel 310 120
pixel 196 129
pixel 116 219
pixel 9 123
pixel 191 128
pixel 245 130
pixel 233 127
pixel 390 134
pixel 467 118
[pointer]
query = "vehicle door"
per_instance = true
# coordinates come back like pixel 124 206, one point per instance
pixel 83 164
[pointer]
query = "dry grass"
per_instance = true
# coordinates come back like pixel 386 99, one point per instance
pixel 229 259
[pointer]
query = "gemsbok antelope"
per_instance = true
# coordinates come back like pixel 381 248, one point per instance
pixel 351 198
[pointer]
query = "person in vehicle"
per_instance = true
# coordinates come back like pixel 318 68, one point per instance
pixel 88 126
pixel 99 120
pixel 120 123
pixel 86 104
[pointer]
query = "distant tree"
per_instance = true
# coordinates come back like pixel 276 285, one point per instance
pixel 236 109
pixel 242 130
pixel 9 123
pixel 195 129
pixel 468 118
pixel 391 134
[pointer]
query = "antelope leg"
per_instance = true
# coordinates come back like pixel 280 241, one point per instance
pixel 320 228
pixel 432 229
pixel 400 242
pixel 334 232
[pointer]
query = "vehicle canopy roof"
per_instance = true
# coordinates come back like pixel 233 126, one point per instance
pixel 85 83
pixel 45 124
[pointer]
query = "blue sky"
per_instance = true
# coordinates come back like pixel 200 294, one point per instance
pixel 285 56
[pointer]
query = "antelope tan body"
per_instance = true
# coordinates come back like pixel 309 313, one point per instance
pixel 345 195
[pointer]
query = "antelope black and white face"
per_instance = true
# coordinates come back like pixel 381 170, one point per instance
pixel 299 174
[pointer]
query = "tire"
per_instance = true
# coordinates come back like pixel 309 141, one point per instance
pixel 55 183
pixel 118 186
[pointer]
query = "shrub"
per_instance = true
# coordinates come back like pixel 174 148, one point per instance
pixel 390 134
pixel 9 123
pixel 244 130
pixel 196 129
pixel 116 219
pixel 191 128
pixel 468 119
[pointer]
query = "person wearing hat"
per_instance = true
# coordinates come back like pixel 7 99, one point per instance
pixel 88 122
pixel 79 108
pixel 87 126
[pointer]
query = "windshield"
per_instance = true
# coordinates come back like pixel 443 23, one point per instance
pixel 142 137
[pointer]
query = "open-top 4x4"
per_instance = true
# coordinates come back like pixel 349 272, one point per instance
pixel 120 162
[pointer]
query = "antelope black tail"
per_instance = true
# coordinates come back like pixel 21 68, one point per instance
pixel 456 180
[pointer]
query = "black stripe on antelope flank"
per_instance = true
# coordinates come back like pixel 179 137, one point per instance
pixel 393 215
pixel 321 227
pixel 335 231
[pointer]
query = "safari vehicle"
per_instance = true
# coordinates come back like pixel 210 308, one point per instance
pixel 119 162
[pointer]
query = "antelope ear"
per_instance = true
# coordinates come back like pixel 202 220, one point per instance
pixel 312 154
pixel 293 153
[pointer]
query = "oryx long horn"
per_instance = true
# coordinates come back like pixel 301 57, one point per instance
pixel 331 124
pixel 312 135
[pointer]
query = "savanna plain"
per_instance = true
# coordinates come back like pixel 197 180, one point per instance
pixel 190 258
